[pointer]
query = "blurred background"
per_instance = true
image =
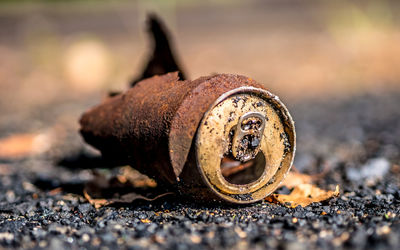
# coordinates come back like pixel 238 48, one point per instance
pixel 59 57
pixel 335 64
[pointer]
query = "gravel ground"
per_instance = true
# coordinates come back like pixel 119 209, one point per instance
pixel 354 141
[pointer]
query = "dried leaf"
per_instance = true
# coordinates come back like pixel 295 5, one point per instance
pixel 126 198
pixel 97 203
pixel 103 190
pixel 55 191
pixel 22 145
pixel 294 179
pixel 303 195
pixel 130 197
pixel 136 179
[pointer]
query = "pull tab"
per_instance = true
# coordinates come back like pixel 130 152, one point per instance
pixel 247 136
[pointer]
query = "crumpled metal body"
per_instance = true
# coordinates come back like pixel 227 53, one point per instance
pixel 159 127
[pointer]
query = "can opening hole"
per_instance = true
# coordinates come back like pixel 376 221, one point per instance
pixel 241 173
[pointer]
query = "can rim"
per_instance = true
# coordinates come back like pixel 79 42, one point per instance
pixel 288 124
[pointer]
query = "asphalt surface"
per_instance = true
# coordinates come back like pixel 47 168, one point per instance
pixel 355 141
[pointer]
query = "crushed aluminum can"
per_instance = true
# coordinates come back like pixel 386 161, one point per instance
pixel 217 138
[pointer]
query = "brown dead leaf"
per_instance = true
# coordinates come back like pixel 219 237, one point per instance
pixel 128 174
pixel 21 145
pixel 55 191
pixel 126 198
pixel 295 178
pixel 303 195
pixel 97 203
pixel 105 190
pixel 131 197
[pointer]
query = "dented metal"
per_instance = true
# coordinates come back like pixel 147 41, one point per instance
pixel 217 138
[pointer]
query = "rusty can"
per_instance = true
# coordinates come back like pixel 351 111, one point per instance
pixel 218 138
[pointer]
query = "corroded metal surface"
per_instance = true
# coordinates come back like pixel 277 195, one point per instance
pixel 220 137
